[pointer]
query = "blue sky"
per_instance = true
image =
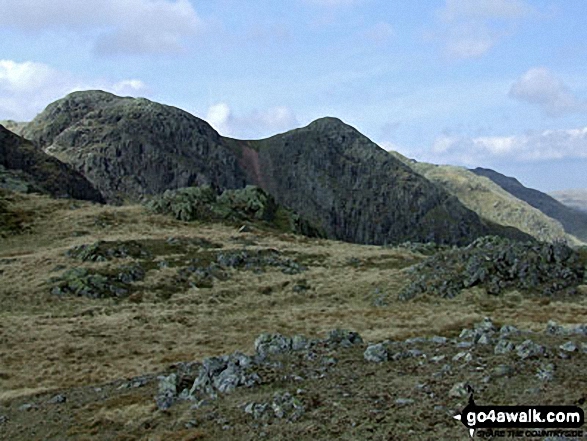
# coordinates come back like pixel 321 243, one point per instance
pixel 490 83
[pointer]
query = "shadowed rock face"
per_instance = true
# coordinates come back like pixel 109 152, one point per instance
pixel 133 147
pixel 328 172
pixel 34 170
pixel 356 191
pixel 573 221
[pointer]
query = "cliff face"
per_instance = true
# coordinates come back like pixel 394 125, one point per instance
pixel 28 168
pixel 328 172
pixel 573 221
pixel 133 147
pixel 338 179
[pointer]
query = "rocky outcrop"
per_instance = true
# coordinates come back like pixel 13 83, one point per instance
pixel 131 147
pixel 573 221
pixel 25 168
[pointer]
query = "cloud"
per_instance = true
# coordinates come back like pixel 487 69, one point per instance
pixel 255 124
pixel 541 87
pixel 114 26
pixel 469 29
pixel 539 146
pixel 27 87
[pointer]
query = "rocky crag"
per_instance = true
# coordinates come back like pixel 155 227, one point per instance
pixel 328 172
pixel 25 168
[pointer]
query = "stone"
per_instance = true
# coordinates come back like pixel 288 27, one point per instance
pixel 529 349
pixel 376 353
pixel 438 340
pixel 503 347
pixel 437 358
pixel 507 330
pixel 569 347
pixel 299 343
pixel 57 399
pixel 553 328
pixel 167 391
pixel 344 338
pixel 401 402
pixel 459 390
pixel 3 419
pixel 272 344
pixel 502 370
pixel 545 372
pixel 484 340
pixel 463 356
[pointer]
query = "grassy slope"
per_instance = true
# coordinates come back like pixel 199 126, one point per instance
pixel 50 343
pixel 492 202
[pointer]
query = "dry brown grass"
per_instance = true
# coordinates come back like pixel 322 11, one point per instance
pixel 48 342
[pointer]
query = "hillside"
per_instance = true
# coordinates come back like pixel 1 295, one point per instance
pixel 576 198
pixel 25 168
pixel 490 201
pixel 328 172
pixel 118 324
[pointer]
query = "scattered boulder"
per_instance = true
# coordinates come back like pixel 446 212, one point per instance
pixel 376 353
pixel 529 349
pixel 282 406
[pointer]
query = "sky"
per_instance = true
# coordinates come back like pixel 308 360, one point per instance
pixel 499 84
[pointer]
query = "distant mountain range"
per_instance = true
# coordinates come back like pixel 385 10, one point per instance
pixel 328 172
pixel 575 198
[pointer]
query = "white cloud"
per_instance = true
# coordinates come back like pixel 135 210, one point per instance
pixel 541 87
pixel 469 29
pixel 27 87
pixel 540 146
pixel 255 124
pixel 115 26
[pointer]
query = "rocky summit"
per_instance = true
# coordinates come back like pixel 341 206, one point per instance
pixel 329 173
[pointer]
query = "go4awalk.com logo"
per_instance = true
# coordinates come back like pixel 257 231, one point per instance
pixel 521 421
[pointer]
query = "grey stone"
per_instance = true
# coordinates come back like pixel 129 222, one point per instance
pixel 529 349
pixel 344 338
pixel 484 340
pixel 438 340
pixel 376 353
pixel 272 344
pixel 57 399
pixel 503 347
pixel 553 328
pixel 502 370
pixel 546 372
pixel 167 391
pixel 463 356
pixel 401 402
pixel 437 358
pixel 27 406
pixel 568 347
pixel 459 390
pixel 485 326
pixel 507 330
pixel 3 419
pixel 299 343
pixel 415 340
pixel 464 344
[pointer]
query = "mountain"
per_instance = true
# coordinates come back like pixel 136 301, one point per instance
pixel 131 147
pixel 328 172
pixel 26 168
pixel 490 201
pixel 573 221
pixel 576 198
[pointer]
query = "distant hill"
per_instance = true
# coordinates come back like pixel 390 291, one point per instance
pixel 328 172
pixel 573 221
pixel 490 201
pixel 23 167
pixel 576 198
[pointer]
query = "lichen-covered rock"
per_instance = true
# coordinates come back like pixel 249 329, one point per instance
pixel 376 353
pixel 503 347
pixel 267 344
pixel 98 285
pixel 498 264
pixel 529 349
pixel 344 338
